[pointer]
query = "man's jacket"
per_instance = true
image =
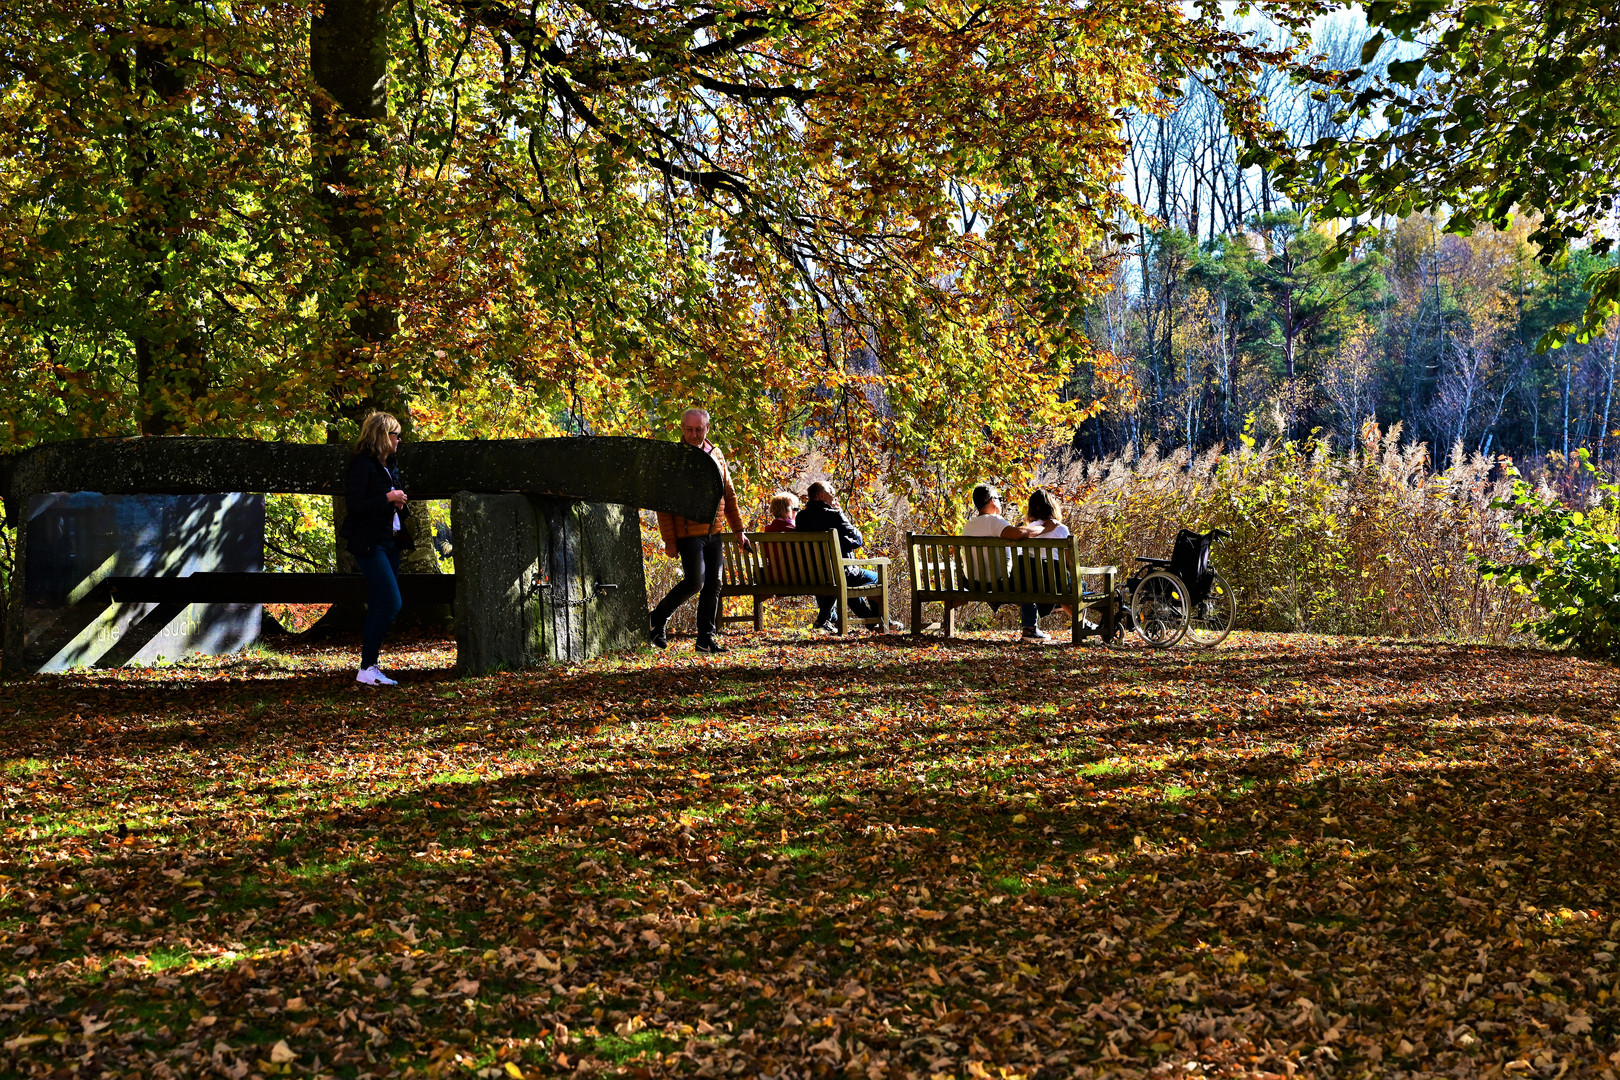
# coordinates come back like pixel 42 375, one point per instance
pixel 673 527
pixel 817 516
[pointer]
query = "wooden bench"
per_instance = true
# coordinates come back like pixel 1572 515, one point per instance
pixel 958 570
pixel 798 564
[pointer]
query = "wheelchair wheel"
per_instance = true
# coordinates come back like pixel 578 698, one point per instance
pixel 1159 609
pixel 1209 622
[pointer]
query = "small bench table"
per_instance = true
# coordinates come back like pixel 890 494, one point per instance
pixel 798 564
pixel 958 570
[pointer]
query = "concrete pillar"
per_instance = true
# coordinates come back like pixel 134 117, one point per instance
pixel 544 580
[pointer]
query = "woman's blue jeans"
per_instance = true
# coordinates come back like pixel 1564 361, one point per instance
pixel 381 571
pixel 1033 614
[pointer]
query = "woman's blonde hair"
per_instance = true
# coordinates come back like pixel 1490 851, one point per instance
pixel 374 432
pixel 783 503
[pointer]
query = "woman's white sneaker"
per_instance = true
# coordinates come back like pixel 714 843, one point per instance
pixel 373 676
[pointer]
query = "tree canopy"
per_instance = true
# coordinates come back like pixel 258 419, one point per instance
pixel 1506 108
pixel 874 222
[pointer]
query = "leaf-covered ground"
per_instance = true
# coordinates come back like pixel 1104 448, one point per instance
pixel 871 858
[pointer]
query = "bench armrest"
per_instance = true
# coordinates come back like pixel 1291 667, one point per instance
pixel 866 562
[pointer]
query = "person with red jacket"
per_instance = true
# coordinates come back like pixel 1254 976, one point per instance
pixel 697 545
pixel 784 504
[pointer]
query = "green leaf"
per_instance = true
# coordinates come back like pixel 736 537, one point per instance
pixel 1370 49
pixel 1407 71
pixel 1486 15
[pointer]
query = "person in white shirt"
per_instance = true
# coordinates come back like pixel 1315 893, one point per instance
pixel 1046 511
pixel 988 521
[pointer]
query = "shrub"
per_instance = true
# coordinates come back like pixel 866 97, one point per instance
pixel 298 533
pixel 1568 564
pixel 1367 543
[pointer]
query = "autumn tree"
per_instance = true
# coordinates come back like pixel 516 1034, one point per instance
pixel 146 211
pixel 875 223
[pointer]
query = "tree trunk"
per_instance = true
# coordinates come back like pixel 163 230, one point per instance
pixel 348 62
pixel 1569 366
pixel 1608 397
pixel 168 358
pixel 1192 211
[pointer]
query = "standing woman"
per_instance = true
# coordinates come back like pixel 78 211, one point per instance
pixel 374 526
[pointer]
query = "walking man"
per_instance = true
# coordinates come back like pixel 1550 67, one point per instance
pixel 697 545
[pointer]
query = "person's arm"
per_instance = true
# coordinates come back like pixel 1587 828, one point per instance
pixel 396 488
pixel 728 502
pixel 1020 532
pixel 666 531
pixel 733 516
pixel 849 532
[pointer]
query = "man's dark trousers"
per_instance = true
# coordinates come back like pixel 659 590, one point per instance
pixel 700 569
pixel 860 607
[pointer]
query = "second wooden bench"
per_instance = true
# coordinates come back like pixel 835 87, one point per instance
pixel 958 570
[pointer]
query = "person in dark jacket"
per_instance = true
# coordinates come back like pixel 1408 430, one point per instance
pixel 822 513
pixel 374 526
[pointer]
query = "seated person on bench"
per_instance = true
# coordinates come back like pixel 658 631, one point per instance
pixel 783 504
pixel 1046 510
pixel 987 521
pixel 822 513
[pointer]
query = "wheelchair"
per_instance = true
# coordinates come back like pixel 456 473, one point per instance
pixel 1182 596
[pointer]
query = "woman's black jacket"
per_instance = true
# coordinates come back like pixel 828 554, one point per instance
pixel 369 516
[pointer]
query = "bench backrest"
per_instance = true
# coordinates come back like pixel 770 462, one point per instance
pixel 964 564
pixel 782 558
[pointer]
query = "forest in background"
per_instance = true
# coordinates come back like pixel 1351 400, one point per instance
pixel 1219 317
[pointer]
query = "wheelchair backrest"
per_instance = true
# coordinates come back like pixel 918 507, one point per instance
pixel 1189 560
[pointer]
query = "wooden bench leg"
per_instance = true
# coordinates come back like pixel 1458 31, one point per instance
pixel 916 617
pixel 947 621
pixel 759 614
pixel 1110 612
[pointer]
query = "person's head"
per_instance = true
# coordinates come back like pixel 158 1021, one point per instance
pixel 379 436
pixel 783 503
pixel 986 500
pixel 820 492
pixel 695 427
pixel 1044 506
